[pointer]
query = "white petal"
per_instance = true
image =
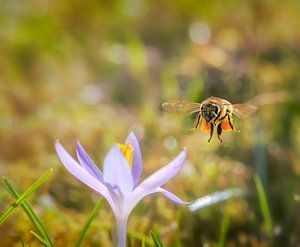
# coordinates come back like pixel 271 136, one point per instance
pixel 116 171
pixel 81 174
pixel 137 164
pixel 139 193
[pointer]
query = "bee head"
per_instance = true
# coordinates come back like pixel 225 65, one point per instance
pixel 209 111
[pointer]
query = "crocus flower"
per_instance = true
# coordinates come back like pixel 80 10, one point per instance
pixel 119 181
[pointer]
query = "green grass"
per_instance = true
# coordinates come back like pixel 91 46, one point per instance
pixel 264 206
pixel 156 239
pixel 88 223
pixel 224 229
pixel 43 237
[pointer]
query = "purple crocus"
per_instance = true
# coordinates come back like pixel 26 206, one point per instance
pixel 119 181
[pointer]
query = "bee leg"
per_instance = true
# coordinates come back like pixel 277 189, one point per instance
pixel 219 131
pixel 197 122
pixel 231 124
pixel 211 131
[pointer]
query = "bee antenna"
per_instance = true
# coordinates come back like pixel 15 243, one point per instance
pixel 214 114
pixel 199 110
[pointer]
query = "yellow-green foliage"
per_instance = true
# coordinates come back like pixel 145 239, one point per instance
pixel 95 70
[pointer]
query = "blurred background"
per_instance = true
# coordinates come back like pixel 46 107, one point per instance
pixel 95 70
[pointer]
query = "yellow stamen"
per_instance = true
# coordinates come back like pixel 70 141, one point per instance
pixel 127 151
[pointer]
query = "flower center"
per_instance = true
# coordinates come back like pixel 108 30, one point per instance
pixel 127 151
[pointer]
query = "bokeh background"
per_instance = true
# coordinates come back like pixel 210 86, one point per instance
pixel 95 70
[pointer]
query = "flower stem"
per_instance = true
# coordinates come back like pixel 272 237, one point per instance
pixel 121 232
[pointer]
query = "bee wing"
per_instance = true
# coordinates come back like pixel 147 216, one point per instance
pixel 181 106
pixel 243 110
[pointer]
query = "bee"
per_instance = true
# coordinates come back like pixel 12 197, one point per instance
pixel 212 112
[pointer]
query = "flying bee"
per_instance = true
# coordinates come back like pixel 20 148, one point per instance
pixel 212 112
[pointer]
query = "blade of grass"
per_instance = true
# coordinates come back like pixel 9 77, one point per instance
pixel 86 226
pixel 22 242
pixel 38 237
pixel 143 242
pixel 156 239
pixel 7 212
pixel 216 197
pixel 264 206
pixel 27 193
pixel 224 229
pixel 35 185
pixel 29 211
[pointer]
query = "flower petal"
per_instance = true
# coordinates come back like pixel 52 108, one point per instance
pixel 171 196
pixel 164 174
pixel 139 193
pixel 116 171
pixel 81 174
pixel 137 164
pixel 87 163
